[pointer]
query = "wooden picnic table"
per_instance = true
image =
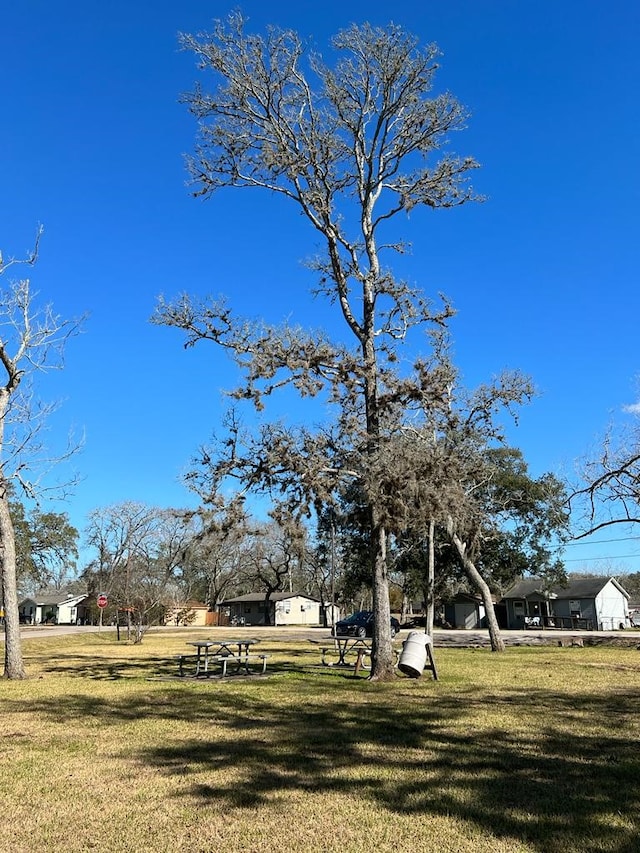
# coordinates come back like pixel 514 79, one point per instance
pixel 224 651
pixel 343 645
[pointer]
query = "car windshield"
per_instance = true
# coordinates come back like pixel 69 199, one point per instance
pixel 357 617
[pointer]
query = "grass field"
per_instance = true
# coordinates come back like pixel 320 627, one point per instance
pixel 532 750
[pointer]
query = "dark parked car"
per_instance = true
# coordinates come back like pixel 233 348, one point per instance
pixel 360 624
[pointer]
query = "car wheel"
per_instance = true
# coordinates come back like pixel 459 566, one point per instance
pixel 362 631
pixel 393 631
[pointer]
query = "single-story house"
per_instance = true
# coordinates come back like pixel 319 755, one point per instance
pixel 60 608
pixel 279 608
pixel 596 604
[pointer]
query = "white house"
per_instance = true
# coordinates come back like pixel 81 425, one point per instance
pixel 61 608
pixel 279 608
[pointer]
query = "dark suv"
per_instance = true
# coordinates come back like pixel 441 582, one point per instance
pixel 360 624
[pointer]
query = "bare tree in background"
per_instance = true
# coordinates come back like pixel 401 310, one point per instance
pixel 609 492
pixel 353 146
pixel 274 557
pixel 214 558
pixel 32 339
pixel 139 549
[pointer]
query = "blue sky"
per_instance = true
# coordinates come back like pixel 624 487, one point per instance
pixel 543 274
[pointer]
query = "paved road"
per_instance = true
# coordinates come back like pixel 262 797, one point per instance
pixel 29 632
pixel 441 638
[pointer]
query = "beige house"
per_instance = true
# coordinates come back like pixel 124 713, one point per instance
pixel 279 608
pixel 192 613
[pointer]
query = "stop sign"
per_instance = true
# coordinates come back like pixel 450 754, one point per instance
pixel 102 600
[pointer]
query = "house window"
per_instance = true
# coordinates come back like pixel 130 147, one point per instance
pixel 518 608
pixel 286 606
pixel 574 607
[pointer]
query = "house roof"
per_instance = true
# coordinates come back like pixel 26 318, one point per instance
pixel 474 598
pixel 261 596
pixel 42 599
pixel 577 588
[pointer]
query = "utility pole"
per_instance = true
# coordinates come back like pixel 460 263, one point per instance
pixel 333 571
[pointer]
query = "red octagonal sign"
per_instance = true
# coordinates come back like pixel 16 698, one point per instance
pixel 102 600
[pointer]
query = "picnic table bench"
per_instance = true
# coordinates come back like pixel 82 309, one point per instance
pixel 189 663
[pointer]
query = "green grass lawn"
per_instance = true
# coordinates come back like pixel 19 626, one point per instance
pixel 532 750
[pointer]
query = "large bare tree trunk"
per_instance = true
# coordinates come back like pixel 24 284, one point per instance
pixel 431 574
pixel 13 663
pixel 382 660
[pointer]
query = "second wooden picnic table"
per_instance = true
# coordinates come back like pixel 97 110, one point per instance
pixel 229 650
pixel 343 645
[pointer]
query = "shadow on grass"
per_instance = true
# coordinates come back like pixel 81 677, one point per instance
pixel 98 666
pixel 557 785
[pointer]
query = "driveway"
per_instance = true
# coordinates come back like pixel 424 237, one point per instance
pixel 442 638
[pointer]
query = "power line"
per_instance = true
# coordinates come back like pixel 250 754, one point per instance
pixel 607 557
pixel 604 541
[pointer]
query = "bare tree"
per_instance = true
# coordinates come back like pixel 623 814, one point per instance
pixel 609 492
pixel 138 552
pixel 214 559
pixel 275 553
pixel 353 146
pixel 32 340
